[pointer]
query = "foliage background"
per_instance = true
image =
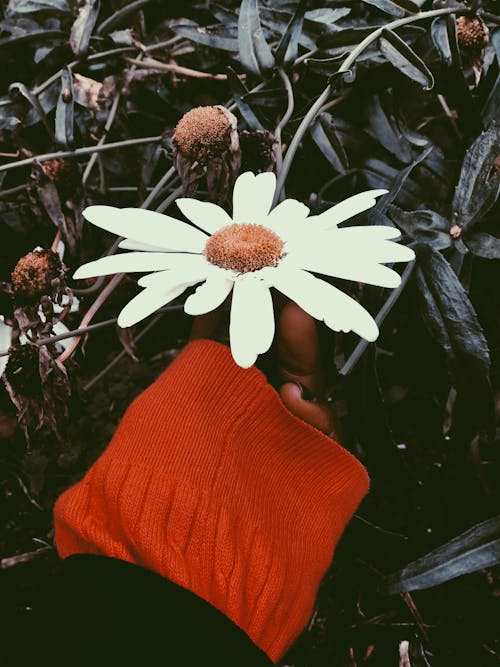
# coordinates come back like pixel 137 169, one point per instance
pixel 418 407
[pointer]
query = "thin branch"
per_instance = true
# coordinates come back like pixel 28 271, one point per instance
pixel 86 150
pixel 107 127
pixel 151 63
pixel 5 563
pixel 159 187
pixel 170 199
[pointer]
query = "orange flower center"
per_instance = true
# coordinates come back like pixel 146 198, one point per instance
pixel 244 247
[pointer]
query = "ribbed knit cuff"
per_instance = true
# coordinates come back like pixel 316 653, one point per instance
pixel 211 482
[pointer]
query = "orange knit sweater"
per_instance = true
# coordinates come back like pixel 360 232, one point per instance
pixel 211 482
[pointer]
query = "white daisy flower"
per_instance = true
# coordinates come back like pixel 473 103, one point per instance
pixel 255 249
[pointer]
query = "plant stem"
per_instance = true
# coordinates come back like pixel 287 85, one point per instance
pixel 282 123
pixel 159 187
pixel 360 348
pixel 107 127
pixel 345 67
pixel 85 150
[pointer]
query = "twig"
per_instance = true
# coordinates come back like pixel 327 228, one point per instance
pixel 159 187
pixel 120 356
pixel 5 563
pixel 151 63
pixel 170 199
pixel 85 150
pixel 13 191
pixel 87 318
pixel 379 319
pixel 107 127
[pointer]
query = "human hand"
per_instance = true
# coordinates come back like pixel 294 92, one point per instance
pixel 300 366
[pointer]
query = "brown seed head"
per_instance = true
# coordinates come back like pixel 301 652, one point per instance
pixel 244 248
pixel 65 175
pixel 204 133
pixel 34 274
pixel 472 33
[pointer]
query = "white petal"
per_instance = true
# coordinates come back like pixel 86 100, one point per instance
pixel 352 253
pixel 206 215
pixel 346 209
pixel 209 296
pixel 253 197
pixel 139 262
pixel 141 225
pixel 325 302
pixel 5 340
pixel 192 275
pixel 60 250
pixel 251 329
pixel 288 218
pixel 128 244
pixel 58 329
pixel 153 298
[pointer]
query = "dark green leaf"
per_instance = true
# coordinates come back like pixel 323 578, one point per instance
pixel 326 138
pixel 254 51
pixel 423 226
pixel 65 110
pixel 83 26
pixel 397 9
pixel 267 98
pixel 483 245
pixel 397 52
pixel 439 33
pixel 217 38
pixel 479 182
pixel 325 66
pixel 34 6
pixel 286 51
pixel 477 548
pixel 385 127
pixel 238 91
pixel 452 321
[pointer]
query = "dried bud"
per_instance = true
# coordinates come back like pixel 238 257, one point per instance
pixel 472 33
pixel 258 151
pixel 206 145
pixel 65 175
pixel 36 274
pixel 22 371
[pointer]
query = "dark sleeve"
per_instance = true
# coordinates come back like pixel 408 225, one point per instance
pixel 104 611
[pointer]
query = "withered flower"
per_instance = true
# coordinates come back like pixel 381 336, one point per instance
pixel 472 33
pixel 65 174
pixel 22 371
pixel 206 148
pixel 38 273
pixel 258 151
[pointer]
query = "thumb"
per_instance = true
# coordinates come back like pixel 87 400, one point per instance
pixel 318 415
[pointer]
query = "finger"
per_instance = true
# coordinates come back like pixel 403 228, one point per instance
pixel 299 350
pixel 205 326
pixel 318 415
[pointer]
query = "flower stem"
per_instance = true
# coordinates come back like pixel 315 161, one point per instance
pixel 284 120
pixel 360 348
pixel 345 67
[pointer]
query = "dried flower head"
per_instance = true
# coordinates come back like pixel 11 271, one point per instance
pixel 22 371
pixel 206 147
pixel 258 150
pixel 472 33
pixel 36 274
pixel 65 175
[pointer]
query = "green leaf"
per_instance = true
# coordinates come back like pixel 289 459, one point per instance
pixel 397 9
pixel 423 226
pixel 386 128
pixel 453 323
pixel 440 37
pixel 483 245
pixel 34 6
pixel 477 548
pixel 405 59
pixel 326 138
pixel 83 26
pixel 479 183
pixel 217 38
pixel 255 53
pixel 65 110
pixel 286 51
pixel 238 91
